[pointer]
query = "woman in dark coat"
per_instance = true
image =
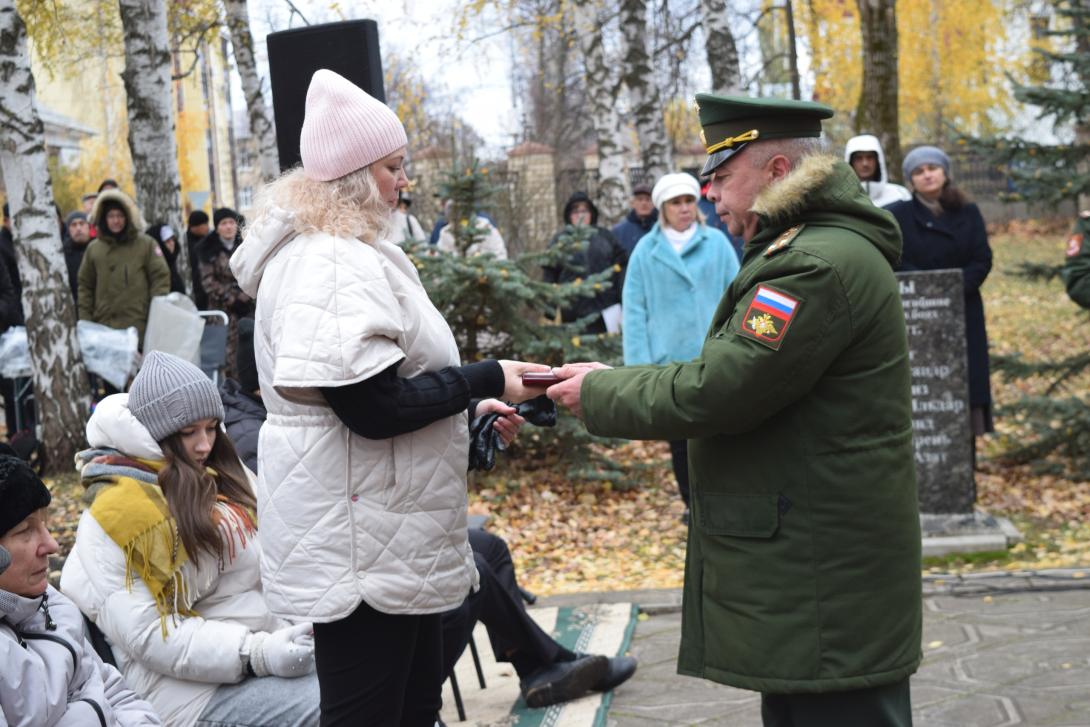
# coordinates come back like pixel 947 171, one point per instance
pixel 942 229
pixel 164 235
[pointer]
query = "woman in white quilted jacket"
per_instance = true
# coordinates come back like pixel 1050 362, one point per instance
pixel 166 560
pixel 362 459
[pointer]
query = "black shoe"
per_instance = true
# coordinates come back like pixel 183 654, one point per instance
pixel 564 680
pixel 620 669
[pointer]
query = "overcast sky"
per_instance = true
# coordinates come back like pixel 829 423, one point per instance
pixel 474 79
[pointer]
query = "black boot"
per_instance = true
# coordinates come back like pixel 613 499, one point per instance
pixel 563 681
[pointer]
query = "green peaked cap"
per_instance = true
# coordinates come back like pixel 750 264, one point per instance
pixel 730 122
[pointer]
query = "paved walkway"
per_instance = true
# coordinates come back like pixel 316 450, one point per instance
pixel 999 649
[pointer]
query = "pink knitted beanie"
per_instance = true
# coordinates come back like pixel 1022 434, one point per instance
pixel 345 128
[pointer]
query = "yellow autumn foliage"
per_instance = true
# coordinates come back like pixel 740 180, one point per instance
pixel 952 60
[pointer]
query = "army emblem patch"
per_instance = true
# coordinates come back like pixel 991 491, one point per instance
pixel 1074 245
pixel 768 316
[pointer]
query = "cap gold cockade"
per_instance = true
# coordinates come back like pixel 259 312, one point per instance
pixel 730 122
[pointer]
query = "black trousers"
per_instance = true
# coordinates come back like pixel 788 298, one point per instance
pixel 514 636
pixel 885 706
pixel 679 456
pixel 379 669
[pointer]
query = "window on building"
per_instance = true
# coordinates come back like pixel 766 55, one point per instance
pixel 245 197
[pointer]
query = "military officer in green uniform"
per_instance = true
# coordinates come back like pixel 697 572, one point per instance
pixel 802 578
pixel 1076 270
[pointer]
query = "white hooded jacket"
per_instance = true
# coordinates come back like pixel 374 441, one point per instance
pixel 346 519
pixel 177 674
pixel 881 191
pixel 51 674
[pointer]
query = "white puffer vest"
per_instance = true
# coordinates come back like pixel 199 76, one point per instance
pixel 344 518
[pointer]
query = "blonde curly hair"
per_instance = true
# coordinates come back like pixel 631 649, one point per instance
pixel 349 206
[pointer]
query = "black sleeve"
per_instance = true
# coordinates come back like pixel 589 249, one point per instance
pixel 387 405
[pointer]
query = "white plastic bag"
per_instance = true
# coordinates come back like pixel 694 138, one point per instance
pixel 14 353
pixel 174 327
pixel 109 352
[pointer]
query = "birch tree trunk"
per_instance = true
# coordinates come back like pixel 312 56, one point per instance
pixel 877 111
pixel 152 144
pixel 720 48
pixel 261 126
pixel 602 92
pixel 60 380
pixel 643 92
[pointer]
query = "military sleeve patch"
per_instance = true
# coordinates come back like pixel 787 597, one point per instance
pixel 1074 244
pixel 768 317
pixel 783 240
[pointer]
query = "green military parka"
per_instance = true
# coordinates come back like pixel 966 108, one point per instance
pixel 119 276
pixel 1076 270
pixel 803 564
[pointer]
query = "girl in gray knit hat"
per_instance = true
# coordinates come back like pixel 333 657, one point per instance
pixel 167 564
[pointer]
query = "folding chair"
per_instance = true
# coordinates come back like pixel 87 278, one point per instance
pixel 214 344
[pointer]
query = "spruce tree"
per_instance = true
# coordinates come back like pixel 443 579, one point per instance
pixel 1050 173
pixel 500 308
pixel 1056 422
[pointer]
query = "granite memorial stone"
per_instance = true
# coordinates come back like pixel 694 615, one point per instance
pixel 934 305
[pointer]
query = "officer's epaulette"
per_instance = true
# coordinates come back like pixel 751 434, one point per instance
pixel 783 240
pixel 1085 214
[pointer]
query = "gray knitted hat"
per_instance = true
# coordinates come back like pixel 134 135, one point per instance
pixel 924 155
pixel 169 394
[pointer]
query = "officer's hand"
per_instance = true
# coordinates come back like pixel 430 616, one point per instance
pixel 566 393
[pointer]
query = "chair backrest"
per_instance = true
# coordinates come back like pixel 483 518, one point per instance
pixel 99 642
pixel 213 344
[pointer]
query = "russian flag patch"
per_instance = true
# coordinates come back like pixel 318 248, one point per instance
pixel 768 317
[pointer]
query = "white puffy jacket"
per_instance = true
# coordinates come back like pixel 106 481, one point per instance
pixel 53 676
pixel 344 518
pixel 178 674
pixel 881 191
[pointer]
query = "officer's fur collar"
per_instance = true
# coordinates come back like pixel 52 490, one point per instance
pixel 786 198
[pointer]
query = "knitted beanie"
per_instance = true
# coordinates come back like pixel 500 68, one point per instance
pixel 197 217
pixel 222 214
pixel 345 128
pixel 924 155
pixel 21 492
pixel 674 185
pixel 170 393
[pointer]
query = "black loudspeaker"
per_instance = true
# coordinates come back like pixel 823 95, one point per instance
pixel 349 48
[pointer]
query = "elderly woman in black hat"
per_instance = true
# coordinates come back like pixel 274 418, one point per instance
pixel 51 673
pixel 942 229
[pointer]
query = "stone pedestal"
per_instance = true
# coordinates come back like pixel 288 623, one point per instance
pixel 934 307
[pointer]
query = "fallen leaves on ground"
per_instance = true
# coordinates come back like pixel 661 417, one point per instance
pixel 568 537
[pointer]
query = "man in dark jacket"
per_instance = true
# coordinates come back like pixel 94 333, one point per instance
pixel 802 574
pixel 219 284
pixel 601 252
pixel 639 220
pixel 196 230
pixel 77 235
pixel 1076 271
pixel 7 255
pixel 11 314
